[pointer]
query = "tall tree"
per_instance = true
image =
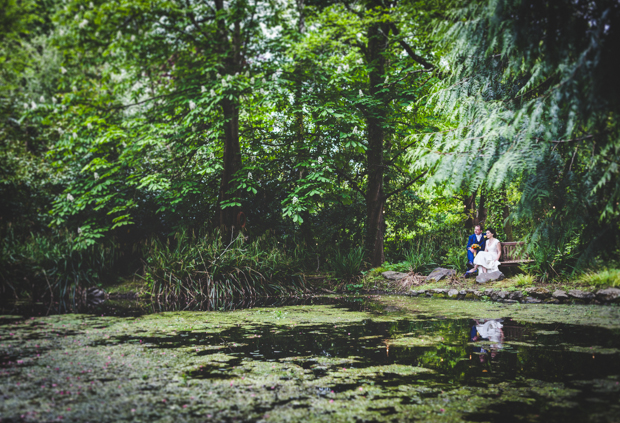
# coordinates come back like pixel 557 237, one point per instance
pixel 532 98
pixel 170 64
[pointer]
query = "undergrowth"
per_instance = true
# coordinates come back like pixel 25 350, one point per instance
pixel 606 277
pixel 191 265
pixel 52 265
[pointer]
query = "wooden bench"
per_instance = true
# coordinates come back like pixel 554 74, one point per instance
pixel 513 254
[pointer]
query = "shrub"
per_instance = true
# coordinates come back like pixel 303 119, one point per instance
pixel 607 277
pixel 456 258
pixel 420 257
pixel 204 265
pixel 58 264
pixel 524 280
pixel 349 264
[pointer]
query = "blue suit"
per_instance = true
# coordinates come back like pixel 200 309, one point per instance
pixel 471 241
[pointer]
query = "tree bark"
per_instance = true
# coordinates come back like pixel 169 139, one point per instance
pixel 469 205
pixel 306 228
pixel 375 198
pixel 481 213
pixel 231 162
pixel 230 45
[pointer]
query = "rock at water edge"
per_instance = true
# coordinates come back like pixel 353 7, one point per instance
pixel 608 295
pixel 490 276
pixel 394 276
pixel 580 295
pixel 440 273
pixel 541 293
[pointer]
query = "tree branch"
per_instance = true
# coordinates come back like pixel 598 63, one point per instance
pixel 410 51
pixel 351 181
pixel 405 186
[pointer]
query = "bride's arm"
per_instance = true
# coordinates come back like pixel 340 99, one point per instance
pixel 499 250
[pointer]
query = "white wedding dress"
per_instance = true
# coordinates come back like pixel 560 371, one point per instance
pixel 487 259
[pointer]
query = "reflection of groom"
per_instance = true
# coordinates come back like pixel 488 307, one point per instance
pixel 475 238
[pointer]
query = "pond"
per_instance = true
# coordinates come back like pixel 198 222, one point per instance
pixel 318 360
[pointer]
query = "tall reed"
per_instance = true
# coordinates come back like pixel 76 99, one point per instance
pixel 51 265
pixel 348 264
pixel 207 265
pixel 442 247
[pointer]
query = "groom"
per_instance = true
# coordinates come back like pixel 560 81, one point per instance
pixel 475 238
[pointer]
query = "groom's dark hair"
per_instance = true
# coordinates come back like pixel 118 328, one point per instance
pixel 479 226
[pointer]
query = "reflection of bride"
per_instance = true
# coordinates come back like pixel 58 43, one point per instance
pixel 488 330
pixel 491 330
pixel 488 260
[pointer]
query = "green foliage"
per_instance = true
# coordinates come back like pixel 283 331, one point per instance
pixel 524 280
pixel 352 287
pixel 121 119
pixel 603 278
pixel 394 267
pixel 421 257
pixel 533 105
pixel 456 258
pixel 445 247
pixel 57 264
pixel 191 265
pixel 348 264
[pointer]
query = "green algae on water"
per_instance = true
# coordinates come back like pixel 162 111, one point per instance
pixel 342 362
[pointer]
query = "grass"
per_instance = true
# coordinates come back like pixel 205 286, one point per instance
pixel 604 278
pixel 56 264
pixel 524 280
pixel 205 265
pixel 125 286
pixel 348 264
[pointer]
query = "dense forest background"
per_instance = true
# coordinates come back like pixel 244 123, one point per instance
pixel 228 147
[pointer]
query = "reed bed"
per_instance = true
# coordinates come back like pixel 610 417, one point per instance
pixel 194 266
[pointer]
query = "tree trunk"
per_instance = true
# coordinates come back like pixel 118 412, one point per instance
pixel 481 213
pixel 469 205
pixel 231 164
pixel 306 229
pixel 506 215
pixel 375 198
pixel 230 45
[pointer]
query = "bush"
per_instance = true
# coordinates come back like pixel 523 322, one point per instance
pixel 456 258
pixel 604 278
pixel 428 250
pixel 524 280
pixel 348 265
pixel 58 264
pixel 420 257
pixel 204 265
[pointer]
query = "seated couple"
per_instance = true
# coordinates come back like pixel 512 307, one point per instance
pixel 487 259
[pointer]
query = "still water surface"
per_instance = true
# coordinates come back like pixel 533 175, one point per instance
pixel 318 359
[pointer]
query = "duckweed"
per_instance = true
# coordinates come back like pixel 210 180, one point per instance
pixel 371 359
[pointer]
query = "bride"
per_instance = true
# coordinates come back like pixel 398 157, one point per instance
pixel 488 260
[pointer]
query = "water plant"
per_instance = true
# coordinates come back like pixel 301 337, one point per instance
pixel 191 265
pixel 397 360
pixel 348 264
pixel 56 264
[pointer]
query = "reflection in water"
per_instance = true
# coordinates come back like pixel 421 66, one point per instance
pixel 135 307
pixel 487 330
pixel 392 366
